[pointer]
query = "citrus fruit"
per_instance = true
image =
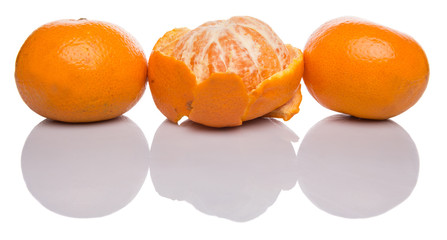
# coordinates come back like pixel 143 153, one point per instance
pixel 225 72
pixel 357 67
pixel 80 71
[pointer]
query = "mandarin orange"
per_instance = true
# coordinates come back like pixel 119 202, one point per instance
pixel 225 72
pixel 80 71
pixel 360 68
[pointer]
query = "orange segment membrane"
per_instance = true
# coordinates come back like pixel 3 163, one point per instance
pixel 242 45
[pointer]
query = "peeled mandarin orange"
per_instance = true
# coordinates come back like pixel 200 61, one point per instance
pixel 360 68
pixel 80 71
pixel 225 72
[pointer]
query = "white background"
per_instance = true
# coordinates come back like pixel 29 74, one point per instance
pixel 152 214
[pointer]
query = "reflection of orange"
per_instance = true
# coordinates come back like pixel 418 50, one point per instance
pixel 363 69
pixel 80 71
pixel 225 72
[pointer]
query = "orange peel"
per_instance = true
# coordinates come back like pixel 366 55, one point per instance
pixel 222 99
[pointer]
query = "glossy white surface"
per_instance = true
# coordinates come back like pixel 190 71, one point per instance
pixel 355 168
pixel 85 170
pixel 232 173
pixel 320 175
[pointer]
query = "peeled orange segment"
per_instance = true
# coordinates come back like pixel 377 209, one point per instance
pixel 172 85
pixel 276 90
pixel 241 45
pixel 220 101
pixel 220 79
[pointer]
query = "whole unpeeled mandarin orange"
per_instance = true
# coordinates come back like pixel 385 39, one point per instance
pixel 363 69
pixel 225 72
pixel 80 71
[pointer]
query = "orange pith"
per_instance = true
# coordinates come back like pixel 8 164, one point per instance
pixel 225 72
pixel 80 71
pixel 363 69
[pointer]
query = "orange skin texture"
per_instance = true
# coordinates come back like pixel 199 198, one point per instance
pixel 363 69
pixel 280 89
pixel 224 98
pixel 172 85
pixel 80 71
pixel 220 100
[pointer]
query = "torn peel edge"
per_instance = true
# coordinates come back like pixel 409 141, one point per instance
pixel 167 43
pixel 288 110
pixel 281 89
pixel 162 53
pixel 172 85
pixel 219 101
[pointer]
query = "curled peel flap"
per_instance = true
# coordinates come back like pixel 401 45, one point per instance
pixel 288 110
pixel 277 90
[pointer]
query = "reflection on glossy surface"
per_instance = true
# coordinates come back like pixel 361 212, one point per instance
pixel 357 168
pixel 234 173
pixel 85 170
